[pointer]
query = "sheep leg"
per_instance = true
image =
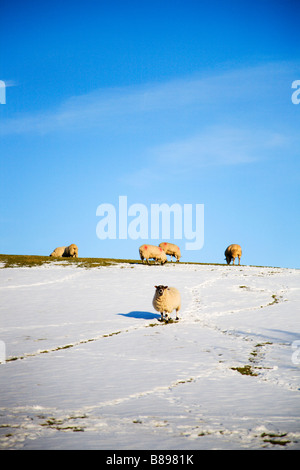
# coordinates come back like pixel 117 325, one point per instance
pixel 233 261
pixel 239 261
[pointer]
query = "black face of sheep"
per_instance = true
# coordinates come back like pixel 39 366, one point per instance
pixel 228 259
pixel 160 289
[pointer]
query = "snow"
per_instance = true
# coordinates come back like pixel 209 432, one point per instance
pixel 89 366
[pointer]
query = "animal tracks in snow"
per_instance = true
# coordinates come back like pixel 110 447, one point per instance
pixel 109 372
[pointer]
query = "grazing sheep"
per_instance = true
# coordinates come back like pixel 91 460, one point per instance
pixel 70 251
pixel 171 249
pixel 152 251
pixel 165 300
pixel 231 252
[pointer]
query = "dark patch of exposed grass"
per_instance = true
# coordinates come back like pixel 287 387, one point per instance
pixel 275 439
pixel 246 370
pixel 16 261
pixel 275 300
pixel 111 334
pixel 255 356
pixel 29 261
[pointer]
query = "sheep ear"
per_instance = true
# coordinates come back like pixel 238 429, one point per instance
pixel 155 287
pixel 165 287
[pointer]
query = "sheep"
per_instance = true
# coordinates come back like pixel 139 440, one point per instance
pixel 152 251
pixel 58 252
pixel 70 251
pixel 165 300
pixel 171 249
pixel 231 252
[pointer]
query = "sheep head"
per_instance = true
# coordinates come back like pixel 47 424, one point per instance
pixel 160 289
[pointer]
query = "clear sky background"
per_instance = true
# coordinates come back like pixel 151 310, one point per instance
pixel 185 102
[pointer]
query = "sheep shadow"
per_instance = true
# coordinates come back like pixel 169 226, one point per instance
pixel 141 315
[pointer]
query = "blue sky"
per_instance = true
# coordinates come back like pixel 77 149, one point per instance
pixel 184 102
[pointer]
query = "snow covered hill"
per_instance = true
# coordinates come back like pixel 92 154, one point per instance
pixel 89 366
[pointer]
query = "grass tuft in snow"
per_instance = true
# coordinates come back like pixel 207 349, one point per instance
pixel 245 370
pixel 275 439
pixel 254 357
